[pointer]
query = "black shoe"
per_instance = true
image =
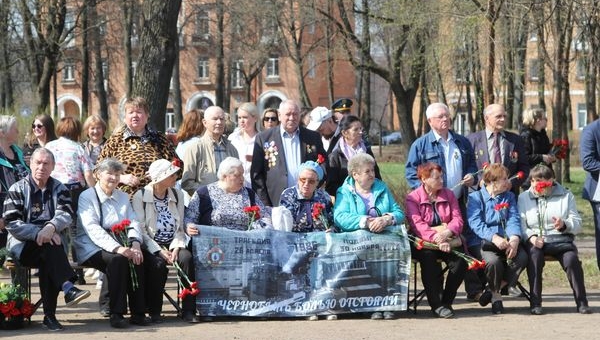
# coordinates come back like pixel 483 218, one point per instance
pixel 497 307
pixel 117 321
pixel 584 310
pixel 139 319
pixel 537 310
pixel 156 318
pixel 76 295
pixel 52 324
pixel 105 312
pixel 474 297
pixel 191 317
pixel 485 298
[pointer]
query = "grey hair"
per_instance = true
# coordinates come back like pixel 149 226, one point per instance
pixel 6 122
pixel 44 151
pixel 110 165
pixel 432 108
pixel 358 161
pixel 228 166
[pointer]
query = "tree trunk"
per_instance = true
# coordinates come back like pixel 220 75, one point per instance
pixel 220 55
pixel 85 57
pixel 158 48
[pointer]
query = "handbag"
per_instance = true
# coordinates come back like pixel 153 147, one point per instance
pixel 557 248
pixel 489 246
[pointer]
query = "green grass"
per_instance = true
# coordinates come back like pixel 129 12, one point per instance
pixel 393 175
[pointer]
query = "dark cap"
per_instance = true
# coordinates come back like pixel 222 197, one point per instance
pixel 342 104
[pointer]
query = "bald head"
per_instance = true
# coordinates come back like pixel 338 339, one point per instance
pixel 494 117
pixel 214 122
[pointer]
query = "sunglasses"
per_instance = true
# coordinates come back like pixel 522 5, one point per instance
pixel 39 126
pixel 272 119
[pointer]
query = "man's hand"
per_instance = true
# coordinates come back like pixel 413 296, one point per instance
pixel 468 180
pixel 45 235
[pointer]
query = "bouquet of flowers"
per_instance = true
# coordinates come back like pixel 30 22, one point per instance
pixel 184 281
pixel 473 263
pixel 560 147
pixel 14 305
pixel 119 231
pixel 318 215
pixel 518 175
pixel 253 212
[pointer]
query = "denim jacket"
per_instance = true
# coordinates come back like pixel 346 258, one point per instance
pixel 427 149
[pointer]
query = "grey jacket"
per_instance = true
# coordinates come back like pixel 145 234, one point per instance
pixel 17 213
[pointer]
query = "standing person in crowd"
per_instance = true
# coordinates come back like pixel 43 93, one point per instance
pixel 301 199
pixel 136 146
pixel 132 272
pixel 159 207
pixel 590 161
pixel 43 132
pixel 190 131
pixel 243 137
pixel 496 145
pixel 270 118
pixel 73 168
pixel 202 158
pixel 350 144
pixel 321 121
pixel 536 142
pixel 12 169
pixel 279 152
pixel 95 128
pixel 365 202
pixel 549 222
pixel 340 108
pixel 494 219
pixel 434 216
pixel 37 213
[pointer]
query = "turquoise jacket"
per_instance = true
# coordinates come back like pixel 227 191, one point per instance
pixel 350 212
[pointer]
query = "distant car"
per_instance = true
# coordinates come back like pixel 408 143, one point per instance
pixel 394 137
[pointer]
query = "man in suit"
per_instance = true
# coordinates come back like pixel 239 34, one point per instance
pixel 590 160
pixel 279 151
pixel 495 145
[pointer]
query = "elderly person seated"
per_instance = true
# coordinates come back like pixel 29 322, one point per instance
pixel 365 202
pixel 434 216
pixel 37 213
pixel 159 207
pixel 494 219
pixel 549 221
pixel 133 273
pixel 222 203
pixel 305 200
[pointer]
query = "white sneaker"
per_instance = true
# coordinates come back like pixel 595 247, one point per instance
pixel 89 272
pixel 96 274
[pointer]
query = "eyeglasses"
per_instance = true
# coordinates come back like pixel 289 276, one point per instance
pixel 272 119
pixel 39 126
pixel 310 181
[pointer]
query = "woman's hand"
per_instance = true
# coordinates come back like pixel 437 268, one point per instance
pixel 192 230
pixel 125 251
pixel 559 223
pixel 129 180
pixel 174 255
pixel 442 236
pixel 500 242
pixel 445 247
pixel 166 255
pixel 377 224
pixel 138 257
pixel 548 159
pixel 537 241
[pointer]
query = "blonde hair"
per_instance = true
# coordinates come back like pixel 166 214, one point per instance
pixel 530 116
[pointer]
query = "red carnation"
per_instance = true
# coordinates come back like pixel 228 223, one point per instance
pixel 320 159
pixel 501 206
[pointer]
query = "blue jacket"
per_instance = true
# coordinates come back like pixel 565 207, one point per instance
pixel 484 220
pixel 350 212
pixel 427 149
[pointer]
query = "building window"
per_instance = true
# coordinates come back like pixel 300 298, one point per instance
pixel 203 69
pixel 534 69
pixel 580 69
pixel 68 73
pixel 70 21
pixel 237 74
pixel 202 24
pixel 169 119
pixel 273 68
pixel 581 115
pixel 312 66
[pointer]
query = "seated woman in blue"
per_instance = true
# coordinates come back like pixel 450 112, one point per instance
pixel 305 200
pixel 365 202
pixel 494 218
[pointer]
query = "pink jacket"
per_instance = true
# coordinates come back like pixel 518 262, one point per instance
pixel 419 212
